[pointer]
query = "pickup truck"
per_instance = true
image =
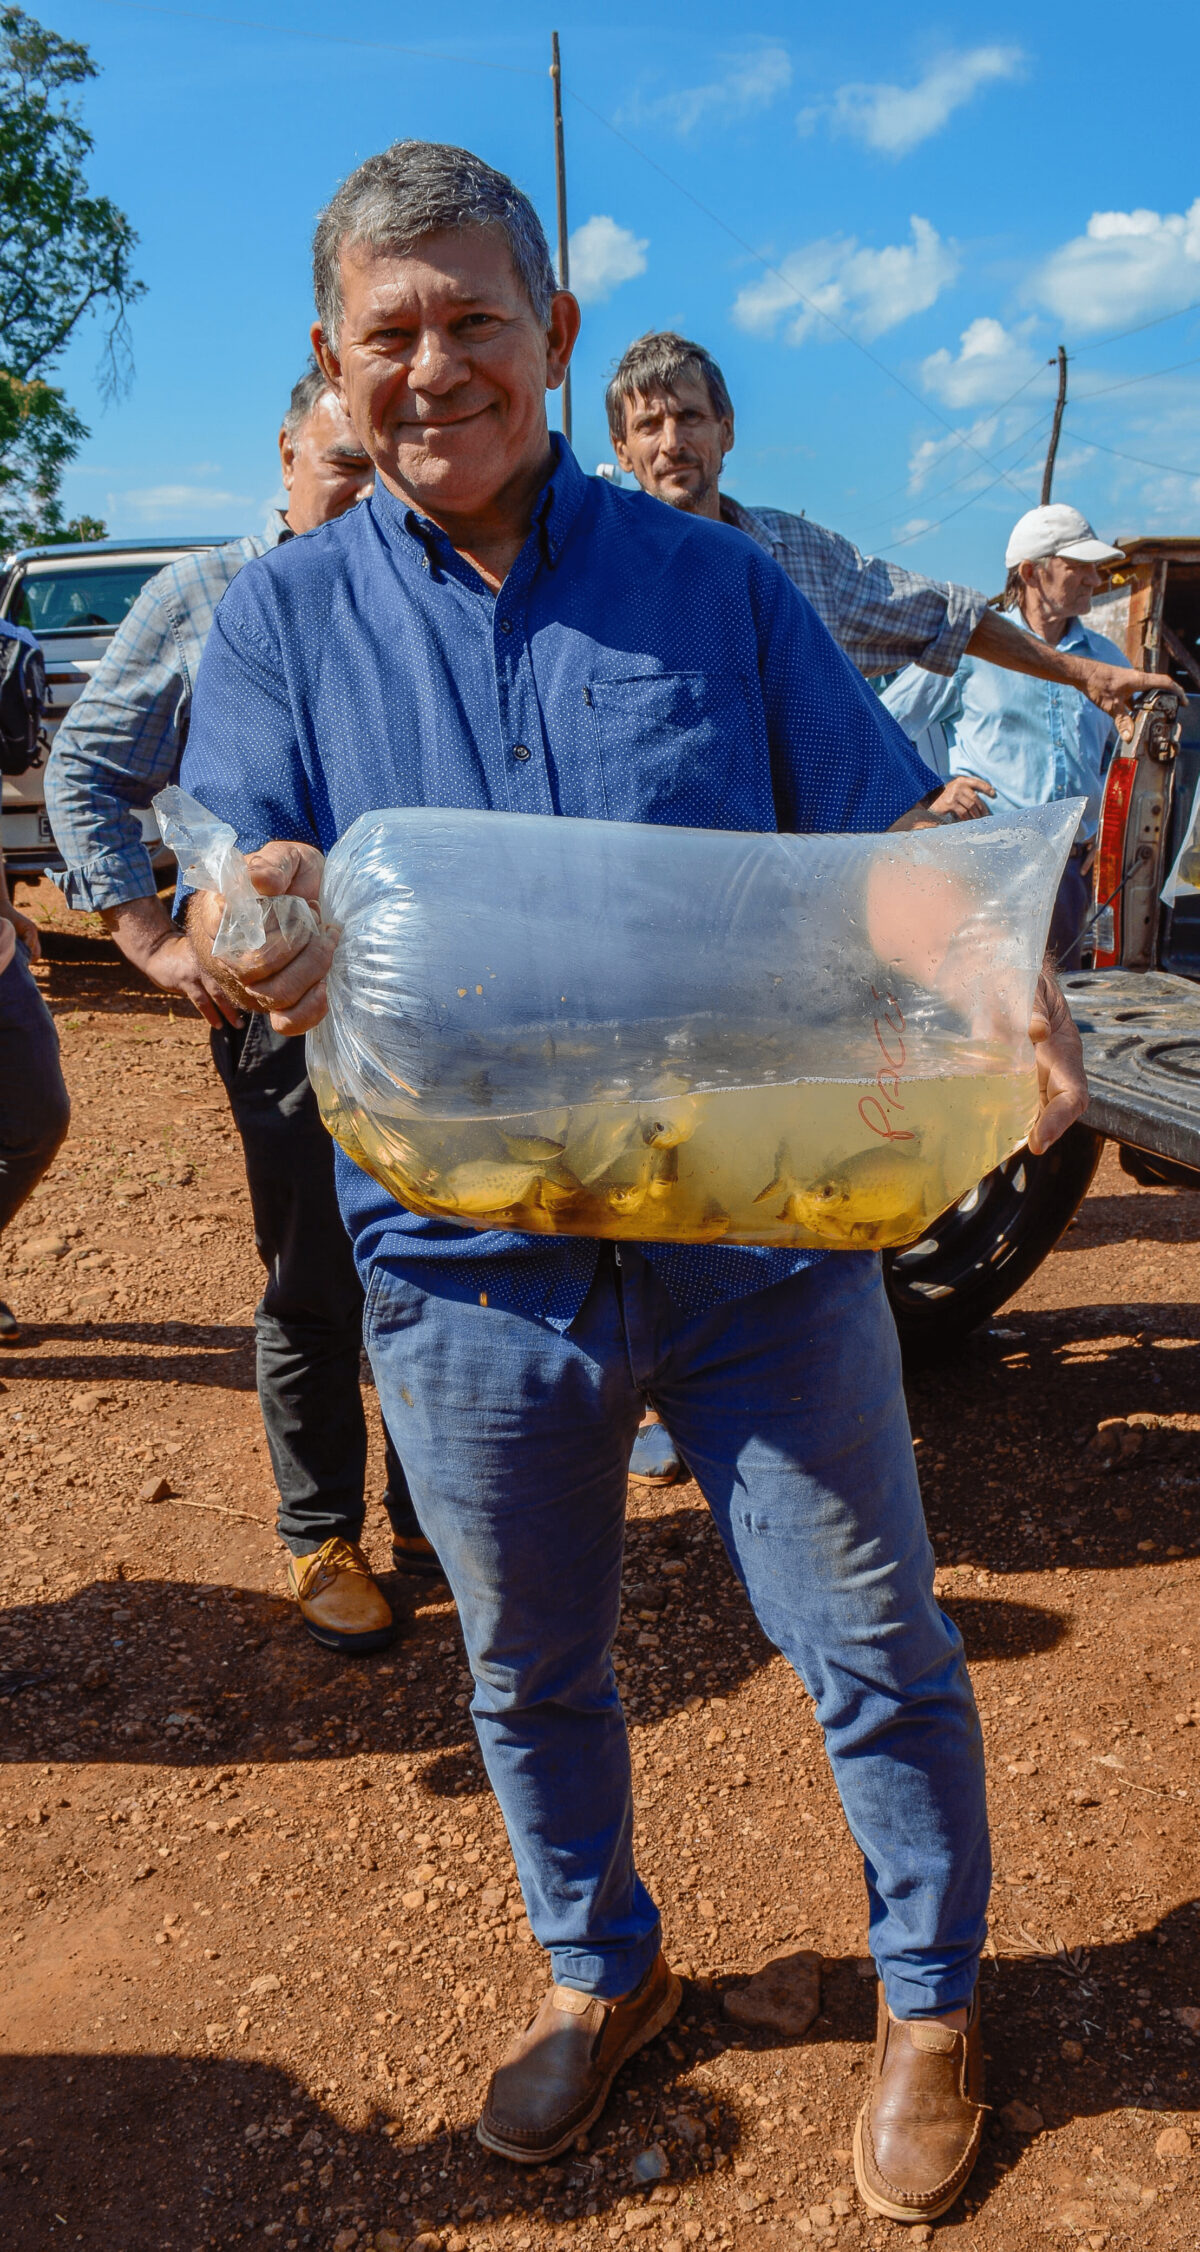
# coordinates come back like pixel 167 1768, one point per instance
pixel 73 598
pixel 1137 1007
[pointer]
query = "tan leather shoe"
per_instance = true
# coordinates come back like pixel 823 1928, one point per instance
pixel 414 1558
pixel 340 1603
pixel 554 2079
pixel 919 2131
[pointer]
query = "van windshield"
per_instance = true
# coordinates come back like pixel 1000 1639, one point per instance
pixel 79 597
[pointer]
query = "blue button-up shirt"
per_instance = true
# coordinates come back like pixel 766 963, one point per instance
pixel 123 738
pixel 1033 740
pixel 637 665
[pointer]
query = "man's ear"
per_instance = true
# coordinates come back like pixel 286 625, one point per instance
pixel 328 362
pixel 621 450
pixel 725 427
pixel 561 332
pixel 287 459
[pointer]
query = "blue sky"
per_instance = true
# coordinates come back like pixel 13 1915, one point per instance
pixel 955 198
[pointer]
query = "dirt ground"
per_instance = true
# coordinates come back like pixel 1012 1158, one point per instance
pixel 261 1942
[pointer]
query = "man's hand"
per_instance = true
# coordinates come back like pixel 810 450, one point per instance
pixel 24 928
pixel 1114 687
pixel 1062 1081
pixel 961 797
pixel 148 938
pixel 285 979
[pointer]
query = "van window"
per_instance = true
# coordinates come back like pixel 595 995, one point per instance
pixel 79 597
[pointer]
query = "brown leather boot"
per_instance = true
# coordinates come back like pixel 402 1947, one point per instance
pixel 919 2131
pixel 340 1603
pixel 555 2078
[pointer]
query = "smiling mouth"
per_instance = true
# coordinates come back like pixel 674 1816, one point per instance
pixel 431 429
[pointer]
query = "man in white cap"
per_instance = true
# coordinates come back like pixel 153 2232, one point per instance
pixel 1029 741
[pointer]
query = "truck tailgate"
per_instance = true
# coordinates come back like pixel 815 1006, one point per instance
pixel 1141 1044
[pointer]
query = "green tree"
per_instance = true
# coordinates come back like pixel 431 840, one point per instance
pixel 65 255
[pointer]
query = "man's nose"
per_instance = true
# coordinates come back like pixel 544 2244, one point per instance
pixel 438 363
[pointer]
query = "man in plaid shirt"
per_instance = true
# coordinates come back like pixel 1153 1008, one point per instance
pixel 120 743
pixel 670 419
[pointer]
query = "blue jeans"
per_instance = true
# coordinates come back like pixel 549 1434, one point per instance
pixel 35 1110
pixel 788 1409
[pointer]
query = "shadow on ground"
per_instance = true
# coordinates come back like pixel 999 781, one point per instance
pixel 176 2151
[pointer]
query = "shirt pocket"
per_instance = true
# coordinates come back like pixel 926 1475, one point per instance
pixel 669 747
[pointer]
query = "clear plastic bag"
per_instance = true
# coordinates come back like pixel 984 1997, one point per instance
pixel 597 1028
pixel 209 860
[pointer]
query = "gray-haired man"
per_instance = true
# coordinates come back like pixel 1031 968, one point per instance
pixel 449 644
pixel 120 743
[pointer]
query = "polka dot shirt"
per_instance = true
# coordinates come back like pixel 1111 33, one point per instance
pixel 637 664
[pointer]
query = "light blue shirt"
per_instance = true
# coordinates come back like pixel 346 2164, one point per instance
pixel 1033 740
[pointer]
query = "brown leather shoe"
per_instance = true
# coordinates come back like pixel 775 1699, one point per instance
pixel 555 2078
pixel 340 1603
pixel 919 2131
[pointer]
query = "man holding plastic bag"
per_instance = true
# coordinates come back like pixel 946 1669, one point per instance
pixel 496 631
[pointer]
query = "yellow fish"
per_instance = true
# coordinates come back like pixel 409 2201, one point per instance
pixel 485 1184
pixel 664 1125
pixel 871 1197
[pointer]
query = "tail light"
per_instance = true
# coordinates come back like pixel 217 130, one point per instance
pixel 1109 869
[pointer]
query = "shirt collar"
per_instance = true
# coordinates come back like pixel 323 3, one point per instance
pixel 553 514
pixel 1075 637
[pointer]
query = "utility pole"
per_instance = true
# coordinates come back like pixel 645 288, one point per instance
pixel 560 190
pixel 1056 426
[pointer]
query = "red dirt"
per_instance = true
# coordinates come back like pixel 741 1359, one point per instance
pixel 223 2018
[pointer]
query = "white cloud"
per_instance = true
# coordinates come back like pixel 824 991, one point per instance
pixel 896 119
pixel 749 83
pixel 990 362
pixel 1128 266
pixel 864 290
pixel 154 502
pixel 603 255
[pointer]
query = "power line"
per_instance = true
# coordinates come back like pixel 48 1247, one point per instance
pixel 324 38
pixel 993 415
pixel 1172 468
pixel 907 538
pixel 952 483
pixel 1084 398
pixel 798 294
pixel 1140 330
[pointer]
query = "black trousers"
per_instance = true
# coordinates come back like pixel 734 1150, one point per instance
pixel 309 1319
pixel 1072 911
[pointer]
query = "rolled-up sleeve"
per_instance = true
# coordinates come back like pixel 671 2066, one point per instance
pixel 881 615
pixel 119 743
pixel 839 760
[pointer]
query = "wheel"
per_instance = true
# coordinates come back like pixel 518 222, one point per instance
pixel 1156 1172
pixel 982 1250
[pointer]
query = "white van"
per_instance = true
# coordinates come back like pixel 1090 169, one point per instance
pixel 73 598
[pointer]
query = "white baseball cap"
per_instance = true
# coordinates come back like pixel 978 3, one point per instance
pixel 1056 530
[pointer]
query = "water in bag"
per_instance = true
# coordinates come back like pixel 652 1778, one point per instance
pixel 609 1029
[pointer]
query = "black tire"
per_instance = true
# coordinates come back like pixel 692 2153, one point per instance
pixel 981 1251
pixel 1156 1172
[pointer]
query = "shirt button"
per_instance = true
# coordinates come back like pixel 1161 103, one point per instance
pixel 520 750
pixel 506 625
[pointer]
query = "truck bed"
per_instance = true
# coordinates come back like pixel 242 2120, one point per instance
pixel 1141 1044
